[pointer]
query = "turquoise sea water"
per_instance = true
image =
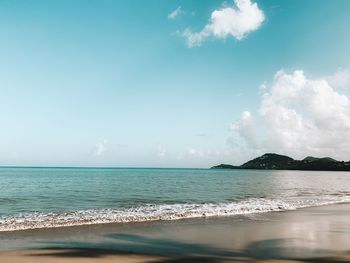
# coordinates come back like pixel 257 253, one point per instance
pixel 51 197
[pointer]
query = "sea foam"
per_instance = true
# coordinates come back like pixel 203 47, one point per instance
pixel 153 212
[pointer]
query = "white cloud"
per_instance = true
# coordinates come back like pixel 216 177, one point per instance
pixel 340 79
pixel 100 147
pixel 177 12
pixel 208 154
pixel 161 151
pixel 236 21
pixel 246 128
pixel 195 152
pixel 299 116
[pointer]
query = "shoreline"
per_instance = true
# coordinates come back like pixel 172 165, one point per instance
pixel 158 218
pixel 316 232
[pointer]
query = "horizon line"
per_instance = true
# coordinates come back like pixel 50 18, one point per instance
pixel 97 167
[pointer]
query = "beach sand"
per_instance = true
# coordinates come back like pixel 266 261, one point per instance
pixel 76 256
pixel 318 234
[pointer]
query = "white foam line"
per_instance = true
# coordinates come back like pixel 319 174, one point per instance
pixel 156 212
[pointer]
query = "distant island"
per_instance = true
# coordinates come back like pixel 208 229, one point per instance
pixel 272 161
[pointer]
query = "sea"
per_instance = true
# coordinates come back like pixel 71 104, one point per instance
pixel 32 198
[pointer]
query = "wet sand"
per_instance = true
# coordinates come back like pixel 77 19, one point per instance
pixel 76 256
pixel 318 234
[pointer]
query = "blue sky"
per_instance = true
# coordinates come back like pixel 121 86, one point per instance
pixel 116 83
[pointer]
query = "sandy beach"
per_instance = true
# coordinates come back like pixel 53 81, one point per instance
pixel 318 234
pixel 76 256
pixel 205 131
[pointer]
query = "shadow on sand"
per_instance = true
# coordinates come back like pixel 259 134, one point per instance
pixel 175 252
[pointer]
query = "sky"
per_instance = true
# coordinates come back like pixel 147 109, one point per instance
pixel 179 83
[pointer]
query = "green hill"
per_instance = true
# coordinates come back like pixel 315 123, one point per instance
pixel 273 161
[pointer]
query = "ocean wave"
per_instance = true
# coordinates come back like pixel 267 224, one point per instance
pixel 154 212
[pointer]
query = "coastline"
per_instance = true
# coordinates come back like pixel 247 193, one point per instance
pixel 154 213
pixel 307 233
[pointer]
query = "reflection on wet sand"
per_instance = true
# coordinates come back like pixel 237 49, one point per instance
pixel 320 234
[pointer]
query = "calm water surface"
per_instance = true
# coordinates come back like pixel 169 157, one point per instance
pixel 49 197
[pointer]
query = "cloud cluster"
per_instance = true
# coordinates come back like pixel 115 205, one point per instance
pixel 299 116
pixel 246 128
pixel 100 147
pixel 177 12
pixel 236 21
pixel 340 79
pixel 206 154
pixel 161 151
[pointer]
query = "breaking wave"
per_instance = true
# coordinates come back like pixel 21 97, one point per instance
pixel 153 212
